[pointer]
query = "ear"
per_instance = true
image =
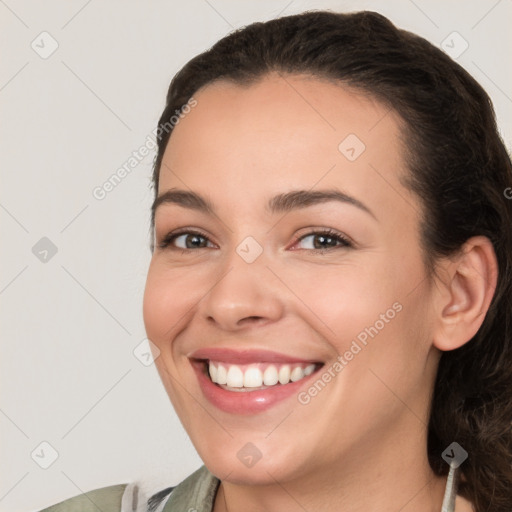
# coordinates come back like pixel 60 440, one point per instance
pixel 465 293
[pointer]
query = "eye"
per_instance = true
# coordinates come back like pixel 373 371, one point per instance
pixel 320 240
pixel 325 240
pixel 189 240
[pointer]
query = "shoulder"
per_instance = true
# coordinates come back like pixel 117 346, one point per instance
pixel 106 499
pixel 197 492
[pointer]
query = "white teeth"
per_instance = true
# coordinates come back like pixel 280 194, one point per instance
pixel 222 374
pixel 309 369
pixel 235 377
pixel 270 376
pixel 284 374
pixel 212 370
pixel 297 374
pixel 251 376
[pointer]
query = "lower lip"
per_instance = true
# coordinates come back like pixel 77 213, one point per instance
pixel 245 402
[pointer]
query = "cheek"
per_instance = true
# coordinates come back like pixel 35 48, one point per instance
pixel 165 309
pixel 350 298
pixel 372 309
pixel 165 305
pixel 156 303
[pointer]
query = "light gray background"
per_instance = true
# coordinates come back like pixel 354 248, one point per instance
pixel 69 376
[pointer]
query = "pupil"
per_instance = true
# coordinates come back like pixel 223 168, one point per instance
pixel 194 238
pixel 323 238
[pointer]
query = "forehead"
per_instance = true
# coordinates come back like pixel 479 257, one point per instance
pixel 321 108
pixel 285 132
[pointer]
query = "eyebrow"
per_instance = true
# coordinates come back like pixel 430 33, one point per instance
pixel 281 203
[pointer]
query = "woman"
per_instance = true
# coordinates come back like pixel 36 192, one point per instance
pixel 330 287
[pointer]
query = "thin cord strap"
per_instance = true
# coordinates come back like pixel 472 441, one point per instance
pixel 450 492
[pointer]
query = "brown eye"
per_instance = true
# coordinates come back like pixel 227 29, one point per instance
pixel 323 240
pixel 187 240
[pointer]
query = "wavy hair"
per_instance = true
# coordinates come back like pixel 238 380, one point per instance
pixel 460 170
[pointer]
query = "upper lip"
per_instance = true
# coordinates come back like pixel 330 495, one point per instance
pixel 246 356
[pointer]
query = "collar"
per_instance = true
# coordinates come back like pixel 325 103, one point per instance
pixel 197 492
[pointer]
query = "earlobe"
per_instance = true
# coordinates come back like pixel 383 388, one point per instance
pixel 468 292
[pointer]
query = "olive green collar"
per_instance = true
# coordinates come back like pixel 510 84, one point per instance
pixel 197 492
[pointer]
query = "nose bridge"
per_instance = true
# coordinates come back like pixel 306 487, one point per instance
pixel 244 289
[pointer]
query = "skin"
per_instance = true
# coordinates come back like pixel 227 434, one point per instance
pixel 360 444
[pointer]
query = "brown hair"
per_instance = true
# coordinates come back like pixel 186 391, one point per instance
pixel 459 168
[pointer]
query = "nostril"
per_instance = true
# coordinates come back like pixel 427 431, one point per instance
pixel 251 319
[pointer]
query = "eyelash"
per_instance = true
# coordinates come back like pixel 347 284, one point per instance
pixel 329 233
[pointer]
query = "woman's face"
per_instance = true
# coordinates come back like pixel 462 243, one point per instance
pixel 254 285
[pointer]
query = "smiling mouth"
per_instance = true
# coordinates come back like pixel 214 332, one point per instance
pixel 256 376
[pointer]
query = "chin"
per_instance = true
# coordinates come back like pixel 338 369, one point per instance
pixel 261 473
pixel 242 463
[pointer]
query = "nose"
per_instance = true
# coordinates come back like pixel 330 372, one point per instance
pixel 246 294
